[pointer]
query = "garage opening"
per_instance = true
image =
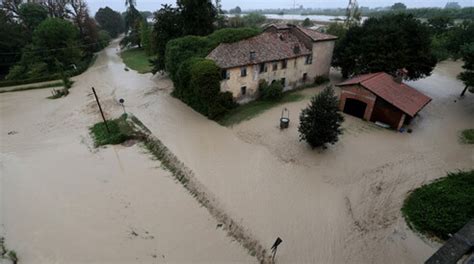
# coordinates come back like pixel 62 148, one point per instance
pixel 355 107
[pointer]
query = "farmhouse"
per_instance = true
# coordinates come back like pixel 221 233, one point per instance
pixel 289 54
pixel 380 97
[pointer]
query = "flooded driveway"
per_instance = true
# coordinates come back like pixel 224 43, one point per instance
pixel 336 206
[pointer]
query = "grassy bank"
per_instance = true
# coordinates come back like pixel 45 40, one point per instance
pixel 443 206
pixel 32 87
pixel 467 136
pixel 254 108
pixel 136 59
pixel 120 130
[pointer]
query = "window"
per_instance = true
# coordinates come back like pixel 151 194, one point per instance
pixel 305 77
pixel 243 71
pixel 262 67
pixel 309 59
pixel 225 75
pixel 252 55
pixel 284 64
pixel 243 90
pixel 296 63
pixel 275 66
pixel 283 82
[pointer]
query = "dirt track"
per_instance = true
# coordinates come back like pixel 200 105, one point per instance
pixel 340 205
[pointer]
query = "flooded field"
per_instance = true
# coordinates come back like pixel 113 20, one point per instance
pixel 63 201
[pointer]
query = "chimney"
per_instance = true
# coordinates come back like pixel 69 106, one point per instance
pixel 400 74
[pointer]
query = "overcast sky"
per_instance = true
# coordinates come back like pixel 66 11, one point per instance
pixel 153 5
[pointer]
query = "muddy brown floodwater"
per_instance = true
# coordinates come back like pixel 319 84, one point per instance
pixel 65 202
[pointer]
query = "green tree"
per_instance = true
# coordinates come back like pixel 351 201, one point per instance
pixel 168 26
pixel 320 122
pixel 133 19
pixel 31 15
pixel 236 10
pixel 145 37
pixel 253 19
pixel 198 16
pixel 440 24
pixel 307 23
pixel 459 35
pixel 12 39
pixel 386 44
pixel 110 21
pixel 54 49
pixel 467 76
pixel 399 6
pixel 205 83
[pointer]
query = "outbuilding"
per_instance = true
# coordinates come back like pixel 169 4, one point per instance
pixel 380 97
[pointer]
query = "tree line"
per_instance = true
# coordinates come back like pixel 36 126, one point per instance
pixel 45 40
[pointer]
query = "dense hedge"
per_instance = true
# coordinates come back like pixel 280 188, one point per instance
pixel 180 49
pixel 442 207
pixel 196 80
pixel 198 85
pixel 80 68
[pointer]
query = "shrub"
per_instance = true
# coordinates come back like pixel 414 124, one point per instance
pixel 229 35
pixel 443 206
pixel 180 49
pixel 272 92
pixel 320 122
pixel 120 131
pixel 321 80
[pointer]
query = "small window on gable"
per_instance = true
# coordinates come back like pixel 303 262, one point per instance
pixel 275 66
pixel 243 71
pixel 284 64
pixel 309 59
pixel 252 55
pixel 243 90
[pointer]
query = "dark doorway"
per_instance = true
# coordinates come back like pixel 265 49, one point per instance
pixel 355 107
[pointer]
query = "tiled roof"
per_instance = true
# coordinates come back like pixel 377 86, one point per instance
pixel 267 47
pixel 400 95
pixel 315 35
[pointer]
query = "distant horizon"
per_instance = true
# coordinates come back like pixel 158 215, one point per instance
pixel 153 5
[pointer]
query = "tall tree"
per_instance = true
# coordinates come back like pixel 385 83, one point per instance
pixel 467 76
pixel 11 7
pixel 399 6
pixel 110 21
pixel 198 16
pixel 387 43
pixel 88 31
pixel 31 15
pixel 320 122
pixel 168 25
pixel 12 39
pixel 54 49
pixel 57 8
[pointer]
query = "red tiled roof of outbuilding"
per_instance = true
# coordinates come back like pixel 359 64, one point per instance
pixel 406 98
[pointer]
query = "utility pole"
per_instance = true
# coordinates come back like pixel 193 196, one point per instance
pixel 100 109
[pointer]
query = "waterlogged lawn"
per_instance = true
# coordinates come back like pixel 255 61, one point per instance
pixel 467 136
pixel 136 59
pixel 443 206
pixel 254 108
